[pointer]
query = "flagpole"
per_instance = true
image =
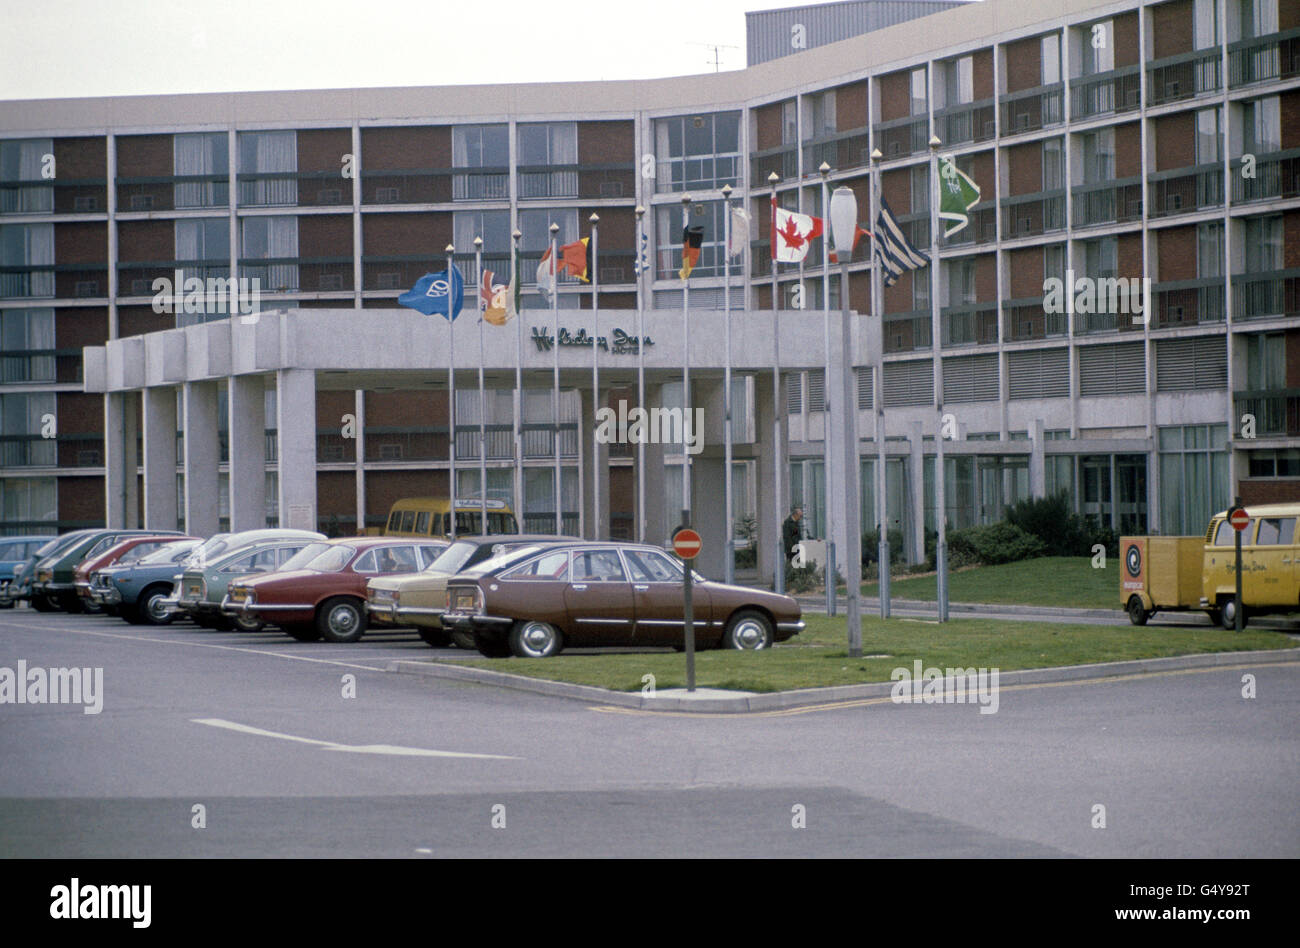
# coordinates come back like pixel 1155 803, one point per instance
pixel 778 583
pixel 936 342
pixel 729 563
pixel 831 589
pixel 482 425
pixel 640 372
pixel 555 394
pixel 519 376
pixel 451 389
pixel 686 366
pixel 877 310
pixel 596 473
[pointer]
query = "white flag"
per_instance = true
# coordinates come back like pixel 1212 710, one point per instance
pixel 546 275
pixel 739 232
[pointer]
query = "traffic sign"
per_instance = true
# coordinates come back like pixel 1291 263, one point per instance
pixel 687 543
pixel 1239 519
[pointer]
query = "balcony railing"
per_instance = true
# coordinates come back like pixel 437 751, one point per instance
pixel 1115 320
pixel 544 523
pixel 136 278
pixel 916 226
pixel 1184 190
pixel 1116 91
pixel 697 173
pixel 46 281
pixel 1028 215
pixel 1188 302
pixel 899 138
pixel 1266 295
pixel 1184 76
pixel 1276 411
pixel 294 189
pixel 55 196
pixel 66 450
pixel 1025 319
pixel 784 160
pixel 612 180
pixel 1276 175
pixel 1111 202
pixel 1276 56
pixel 299 274
pixel 33 365
pixel 500 442
pixel 1032 109
pixel 969 324
pixel 982 229
pixel 137 194
pixel 841 150
pixel 480 184
pixel 968 122
pixel 908 332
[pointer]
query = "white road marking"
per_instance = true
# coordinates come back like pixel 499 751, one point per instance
pixel 389 749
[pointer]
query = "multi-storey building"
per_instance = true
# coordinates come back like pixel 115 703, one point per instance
pixel 1156 141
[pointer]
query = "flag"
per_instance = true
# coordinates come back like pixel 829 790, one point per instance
pixel 692 240
pixel 739 232
pixel 575 259
pixel 494 300
pixel 957 195
pixel 792 234
pixel 892 248
pixel 430 294
pixel 514 290
pixel 642 262
pixel 858 234
pixel 546 275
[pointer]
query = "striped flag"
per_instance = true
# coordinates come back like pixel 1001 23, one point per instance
pixel 892 248
pixel 642 262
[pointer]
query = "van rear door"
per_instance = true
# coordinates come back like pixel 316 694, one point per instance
pixel 1274 562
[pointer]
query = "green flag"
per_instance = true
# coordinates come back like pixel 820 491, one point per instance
pixel 957 195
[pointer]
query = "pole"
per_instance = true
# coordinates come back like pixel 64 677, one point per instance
pixel 777 408
pixel 883 554
pixel 936 334
pixel 728 551
pixel 519 380
pixel 1238 608
pixel 555 393
pixel 640 373
pixel 827 464
pixel 686 363
pixel 451 393
pixel 596 474
pixel 688 597
pixel 482 409
pixel 852 477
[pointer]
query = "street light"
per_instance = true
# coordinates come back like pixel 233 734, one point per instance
pixel 831 563
pixel 877 309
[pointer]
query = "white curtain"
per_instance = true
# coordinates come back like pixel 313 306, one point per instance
pixel 267 238
pixel 27 330
pixel 192 155
pixel 27 245
pixel 22 161
pixel 266 153
pixel 189 240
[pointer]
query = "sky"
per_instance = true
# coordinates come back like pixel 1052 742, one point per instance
pixel 65 48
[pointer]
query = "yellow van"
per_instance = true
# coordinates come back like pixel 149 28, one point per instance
pixel 430 517
pixel 1270 564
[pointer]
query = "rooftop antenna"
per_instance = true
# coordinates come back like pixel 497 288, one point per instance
pixel 717 55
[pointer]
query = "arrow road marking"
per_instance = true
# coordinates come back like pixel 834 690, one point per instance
pixel 389 749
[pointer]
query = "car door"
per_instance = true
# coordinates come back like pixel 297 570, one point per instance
pixel 1274 553
pixel 659 602
pixel 599 597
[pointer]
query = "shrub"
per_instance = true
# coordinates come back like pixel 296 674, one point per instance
pixel 801 579
pixel 992 544
pixel 1063 532
pixel 871 547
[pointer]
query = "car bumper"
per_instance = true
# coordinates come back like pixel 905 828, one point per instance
pixel 253 608
pixel 392 612
pixel 102 596
pixel 53 589
pixel 465 622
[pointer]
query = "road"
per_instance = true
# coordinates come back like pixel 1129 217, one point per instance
pixel 256 730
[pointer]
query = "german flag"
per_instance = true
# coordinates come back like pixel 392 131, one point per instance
pixel 692 239
pixel 575 259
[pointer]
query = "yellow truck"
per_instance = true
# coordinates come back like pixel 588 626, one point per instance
pixel 1169 574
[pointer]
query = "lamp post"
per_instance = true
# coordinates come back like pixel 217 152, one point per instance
pixel 878 310
pixel 519 381
pixel 824 170
pixel 482 416
pixel 778 577
pixel 555 394
pixel 640 379
pixel 596 475
pixel 843 214
pixel 451 391
pixel 936 333
pixel 686 366
pixel 729 554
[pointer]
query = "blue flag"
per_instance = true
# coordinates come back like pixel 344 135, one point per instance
pixel 429 295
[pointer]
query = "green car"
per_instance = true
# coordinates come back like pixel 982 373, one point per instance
pixel 200 589
pixel 53 584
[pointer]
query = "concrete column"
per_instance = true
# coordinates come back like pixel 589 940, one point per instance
pixel 131 459
pixel 770 453
pixel 916 442
pixel 202 454
pixel 595 469
pixel 246 402
pixel 359 411
pixel 1038 460
pixel 296 427
pixel 114 460
pixel 709 513
pixel 160 498
pixel 655 513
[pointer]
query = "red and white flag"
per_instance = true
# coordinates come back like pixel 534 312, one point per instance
pixel 792 234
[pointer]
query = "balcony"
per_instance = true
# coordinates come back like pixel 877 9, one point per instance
pixel 1184 76
pixel 1116 91
pixel 1260 59
pixel 1115 320
pixel 841 151
pixel 969 324
pixel 1269 295
pixel 899 138
pixel 968 122
pixel 1277 176
pixel 784 160
pixel 66 450
pixel 1029 215
pixel 982 229
pixel 299 274
pixel 173 192
pixel 544 523
pixel 434 185
pixel 697 173
pixel 1184 190
pixel 1025 319
pixel 1111 202
pixel 1032 109
pixel 908 332
pixel 136 278
pixel 401 271
pixel 1276 411
pixel 596 181
pixel 499 441
pixel 1188 302
pixel 56 196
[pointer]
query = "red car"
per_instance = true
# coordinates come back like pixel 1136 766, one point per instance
pixel 127 551
pixel 326 598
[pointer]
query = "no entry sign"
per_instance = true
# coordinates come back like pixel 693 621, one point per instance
pixel 1239 519
pixel 687 543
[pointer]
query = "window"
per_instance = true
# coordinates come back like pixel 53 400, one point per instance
pixel 789 123
pixel 1050 57
pixel 1097 59
pixel 1209 249
pixel 668 240
pixel 697 152
pixel 1261 126
pixel 1101 257
pixel 202 154
pixel 549 143
pixel 917 84
pixel 1053 165
pixel 1276 531
pixel 1205 23
pixel 201 240
pixel 553 566
pixel 1194 480
pixel 22 417
pixel 1265 361
pixel 601 566
pixel 1284 462
pixel 1207 137
pixel 1098 156
pixel 920 182
pixel 958 82
pixel 27 345
pixel 819 114
pixel 28 500
pixel 1258 18
pixel 1054 262
pixel 27 246
pixel 485 147
pixel 269 153
pixel 271 238
pixel 535 227
pixel 649 566
pixel 23 160
pixel 1224 536
pixel 492 226
pixel 1263 243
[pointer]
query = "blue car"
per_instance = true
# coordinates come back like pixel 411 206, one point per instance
pixel 17 553
pixel 136 591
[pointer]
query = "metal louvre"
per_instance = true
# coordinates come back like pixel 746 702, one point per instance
pixel 1112 370
pixel 909 383
pixel 970 378
pixel 816 390
pixel 866 388
pixel 794 393
pixel 1038 373
pixel 1188 364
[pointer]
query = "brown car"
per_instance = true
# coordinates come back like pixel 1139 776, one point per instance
pixel 533 603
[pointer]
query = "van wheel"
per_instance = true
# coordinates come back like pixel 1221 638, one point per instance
pixel 1229 615
pixel 1137 614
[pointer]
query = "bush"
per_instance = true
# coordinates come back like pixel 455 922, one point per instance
pixel 801 579
pixel 1050 519
pixel 871 547
pixel 992 544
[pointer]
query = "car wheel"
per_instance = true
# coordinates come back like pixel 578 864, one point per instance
pixel 533 639
pixel 1228 616
pixel 341 619
pixel 748 630
pixel 491 645
pixel 149 608
pixel 435 638
pixel 1137 614
pixel 463 640
pixel 91 608
pixel 42 604
pixel 70 604
pixel 247 623
pixel 302 631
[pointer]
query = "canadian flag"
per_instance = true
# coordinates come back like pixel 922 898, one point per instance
pixel 792 233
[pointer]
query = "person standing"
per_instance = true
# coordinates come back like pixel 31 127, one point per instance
pixel 792 533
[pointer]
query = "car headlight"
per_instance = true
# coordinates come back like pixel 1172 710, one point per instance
pixel 383 596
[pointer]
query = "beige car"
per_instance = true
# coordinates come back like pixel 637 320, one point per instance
pixel 420 600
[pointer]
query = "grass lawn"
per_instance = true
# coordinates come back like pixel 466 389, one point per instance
pixel 819 655
pixel 1068 581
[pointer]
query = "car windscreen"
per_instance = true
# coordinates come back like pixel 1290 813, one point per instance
pixel 170 553
pixel 304 556
pixel 505 558
pixel 453 558
pixel 329 560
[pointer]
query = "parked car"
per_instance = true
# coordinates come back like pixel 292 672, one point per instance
pixel 15 552
pixel 219 544
pixel 326 596
pixel 204 587
pixel 534 603
pixel 128 551
pixel 136 590
pixel 55 579
pixel 421 599
pixel 21 586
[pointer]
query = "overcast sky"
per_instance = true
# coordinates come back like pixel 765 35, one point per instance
pixel 59 48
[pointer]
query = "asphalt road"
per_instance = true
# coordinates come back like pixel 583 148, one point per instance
pixel 255 729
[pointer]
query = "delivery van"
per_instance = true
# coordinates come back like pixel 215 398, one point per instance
pixel 431 517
